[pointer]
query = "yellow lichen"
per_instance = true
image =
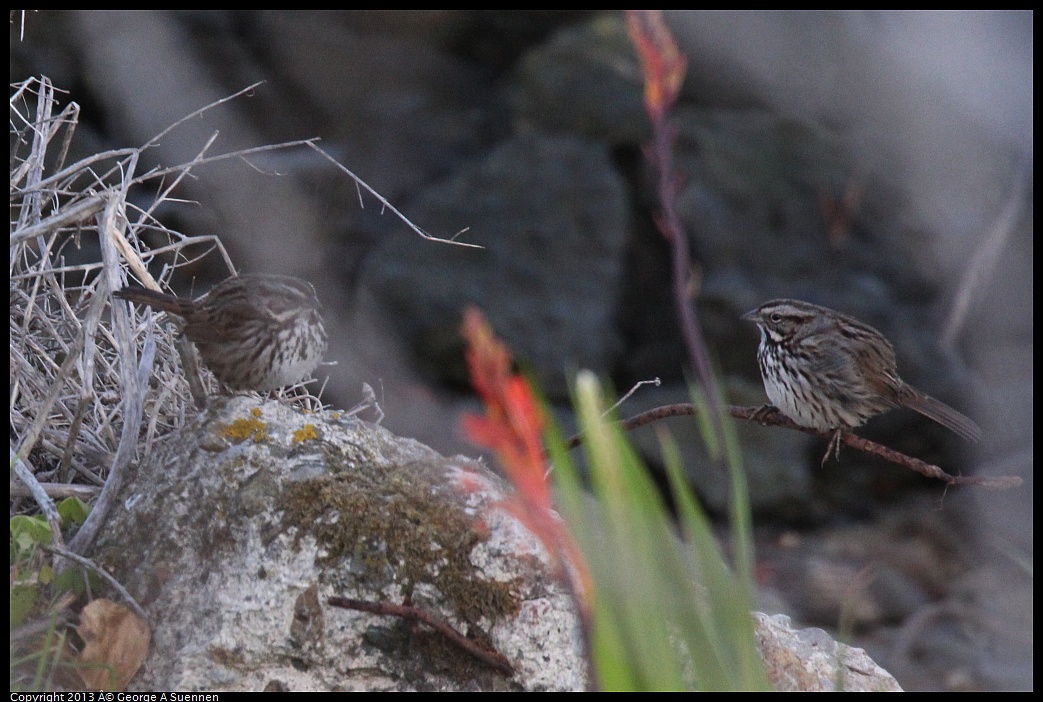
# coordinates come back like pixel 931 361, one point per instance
pixel 305 433
pixel 243 429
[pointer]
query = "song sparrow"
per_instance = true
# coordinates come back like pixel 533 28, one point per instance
pixel 254 332
pixel 828 371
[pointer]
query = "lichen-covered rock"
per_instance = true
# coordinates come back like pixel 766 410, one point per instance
pixel 236 531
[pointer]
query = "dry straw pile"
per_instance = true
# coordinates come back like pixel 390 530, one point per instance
pixel 93 381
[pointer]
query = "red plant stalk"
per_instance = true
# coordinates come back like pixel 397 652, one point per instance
pixel 663 66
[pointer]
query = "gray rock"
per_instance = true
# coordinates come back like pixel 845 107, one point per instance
pixel 237 530
pixel 809 660
pixel 551 213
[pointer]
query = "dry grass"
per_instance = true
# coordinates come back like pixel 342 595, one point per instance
pixel 93 383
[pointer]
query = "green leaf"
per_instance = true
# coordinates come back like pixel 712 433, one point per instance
pixel 667 612
pixel 73 511
pixel 29 532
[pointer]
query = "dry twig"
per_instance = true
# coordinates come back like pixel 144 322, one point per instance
pixel 492 658
pixel 776 418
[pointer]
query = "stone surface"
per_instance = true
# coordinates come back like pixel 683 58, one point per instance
pixel 237 530
pixel 809 660
pixel 550 213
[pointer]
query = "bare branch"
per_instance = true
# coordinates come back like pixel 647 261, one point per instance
pixel 493 658
pixel 383 201
pixel 773 417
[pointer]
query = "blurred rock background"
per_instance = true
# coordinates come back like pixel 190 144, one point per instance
pixel 876 162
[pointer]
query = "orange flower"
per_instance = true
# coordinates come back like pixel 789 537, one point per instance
pixel 661 61
pixel 512 427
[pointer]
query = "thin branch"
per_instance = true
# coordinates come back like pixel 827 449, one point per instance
pixel 56 490
pixel 655 381
pixel 63 218
pixel 241 153
pixel 72 171
pixel 383 201
pixel 155 140
pixel 773 417
pixel 47 506
pixel 88 563
pixel 491 658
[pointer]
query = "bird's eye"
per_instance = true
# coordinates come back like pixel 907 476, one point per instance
pixel 776 317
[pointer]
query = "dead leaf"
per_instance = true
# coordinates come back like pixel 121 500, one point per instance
pixel 115 645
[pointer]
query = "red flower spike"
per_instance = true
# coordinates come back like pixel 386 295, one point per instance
pixel 512 427
pixel 662 62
